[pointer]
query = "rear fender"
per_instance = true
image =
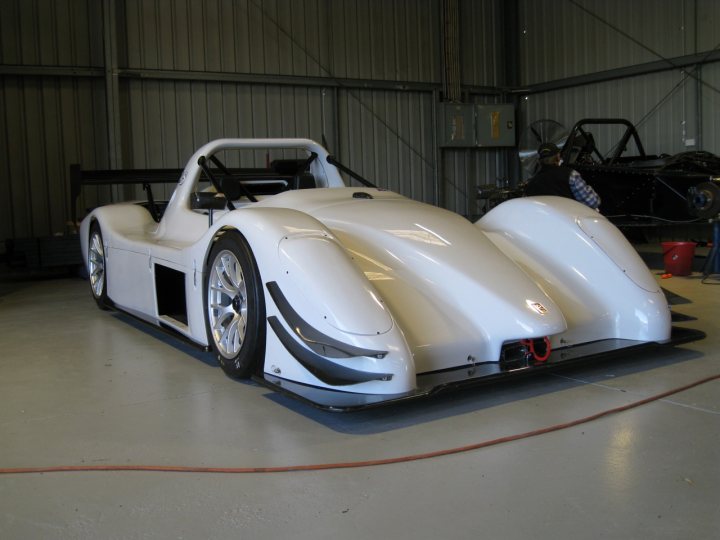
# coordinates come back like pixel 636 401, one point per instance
pixel 129 275
pixel 118 223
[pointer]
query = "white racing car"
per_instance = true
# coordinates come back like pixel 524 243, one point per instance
pixel 350 297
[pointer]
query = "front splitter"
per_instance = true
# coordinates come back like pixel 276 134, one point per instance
pixel 465 376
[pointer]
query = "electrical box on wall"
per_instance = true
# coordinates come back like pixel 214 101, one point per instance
pixel 495 125
pixel 465 125
pixel 458 125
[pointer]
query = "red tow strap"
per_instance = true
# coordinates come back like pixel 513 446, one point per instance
pixel 530 344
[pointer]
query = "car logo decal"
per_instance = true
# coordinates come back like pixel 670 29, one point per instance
pixel 538 308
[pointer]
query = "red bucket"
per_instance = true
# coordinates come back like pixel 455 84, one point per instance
pixel 678 257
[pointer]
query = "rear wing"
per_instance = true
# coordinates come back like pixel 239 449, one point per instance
pixel 278 176
pixel 145 177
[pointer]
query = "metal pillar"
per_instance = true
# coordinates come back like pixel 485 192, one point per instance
pixel 509 14
pixel 112 87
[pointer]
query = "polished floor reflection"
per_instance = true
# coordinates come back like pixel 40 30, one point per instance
pixel 80 386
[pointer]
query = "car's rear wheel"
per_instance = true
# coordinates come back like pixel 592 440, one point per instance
pixel 234 306
pixel 97 266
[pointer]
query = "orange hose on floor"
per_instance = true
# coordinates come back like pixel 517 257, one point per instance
pixel 354 464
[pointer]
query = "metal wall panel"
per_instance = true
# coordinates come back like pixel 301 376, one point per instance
pixel 51 32
pixel 657 104
pixel 51 121
pixel 710 105
pixel 168 120
pixel 463 170
pixel 387 137
pixel 707 16
pixel 377 39
pixel 575 37
pixel 481 35
pixel 386 134
pixel 367 39
pixel 48 123
pixel 286 37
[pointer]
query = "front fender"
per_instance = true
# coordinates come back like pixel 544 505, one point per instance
pixel 298 256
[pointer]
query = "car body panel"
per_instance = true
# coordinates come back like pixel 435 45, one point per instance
pixel 599 295
pixel 426 296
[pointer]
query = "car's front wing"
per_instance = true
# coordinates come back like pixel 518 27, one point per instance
pixel 434 383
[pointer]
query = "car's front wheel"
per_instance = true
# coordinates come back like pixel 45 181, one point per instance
pixel 97 266
pixel 234 306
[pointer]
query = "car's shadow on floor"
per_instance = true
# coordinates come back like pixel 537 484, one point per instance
pixel 459 402
pixel 168 337
pixel 447 404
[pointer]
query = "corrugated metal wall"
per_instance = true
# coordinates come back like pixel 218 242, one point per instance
pixel 387 41
pixel 481 57
pixel 466 169
pixel 708 39
pixel 656 103
pixel 51 33
pixel 362 39
pixel 388 138
pixel 674 110
pixel 167 120
pixel 366 74
pixel 563 38
pixel 377 39
pixel 189 71
pixel 710 105
pixel 48 121
pixel 481 34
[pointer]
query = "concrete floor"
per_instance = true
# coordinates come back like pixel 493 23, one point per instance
pixel 80 386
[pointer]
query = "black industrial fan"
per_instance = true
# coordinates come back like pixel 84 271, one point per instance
pixel 537 133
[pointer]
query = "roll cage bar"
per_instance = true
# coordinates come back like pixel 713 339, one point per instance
pixel 232 182
pixel 581 141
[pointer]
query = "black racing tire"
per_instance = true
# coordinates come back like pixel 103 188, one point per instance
pixel 97 266
pixel 234 306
